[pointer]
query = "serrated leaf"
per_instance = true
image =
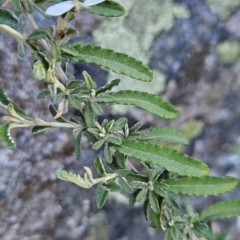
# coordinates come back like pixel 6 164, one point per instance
pixel 144 100
pixel 5 136
pixel 107 153
pixel 53 111
pixel 16 5
pixel 77 144
pixel 170 159
pixel 98 144
pixel 20 49
pixel 43 94
pixel 108 87
pixel 201 186
pixel 124 184
pixel 99 166
pixel 102 195
pixel 166 134
pixel 153 201
pixel 89 116
pixel 142 195
pixel 38 129
pixel 38 34
pixel 228 208
pixel 107 9
pixel 117 62
pixel 7 17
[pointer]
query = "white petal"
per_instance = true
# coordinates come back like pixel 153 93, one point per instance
pixel 59 8
pixel 89 3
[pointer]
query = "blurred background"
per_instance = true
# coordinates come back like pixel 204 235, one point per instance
pixel 193 46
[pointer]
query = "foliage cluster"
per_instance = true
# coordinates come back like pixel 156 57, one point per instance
pixel 169 173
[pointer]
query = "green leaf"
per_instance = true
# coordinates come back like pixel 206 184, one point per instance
pixel 153 201
pixel 112 186
pixel 74 84
pixel 117 62
pixel 43 94
pixel 53 111
pixel 89 117
pixel 228 208
pixel 98 144
pixel 147 101
pixel 155 217
pixel 135 127
pixel 20 49
pixel 38 34
pixel 124 184
pixel 99 166
pixel 159 191
pixel 102 195
pixel 167 235
pixel 135 176
pixel 38 129
pixel 166 134
pixel 96 108
pixel 68 52
pixel 16 5
pixel 28 5
pixel 170 159
pixel 107 9
pixel 201 186
pixel 145 209
pixel 153 174
pixel 43 59
pixel 107 153
pixel 89 82
pixel 7 17
pixel 108 87
pixel 5 101
pixel 75 102
pixel 142 195
pixel 132 198
pixel 5 136
pixel 56 52
pixel 77 144
pixel 120 159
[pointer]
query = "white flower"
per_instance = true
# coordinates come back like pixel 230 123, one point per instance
pixel 63 7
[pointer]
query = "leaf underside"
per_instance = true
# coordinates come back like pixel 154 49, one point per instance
pixel 117 62
pixel 147 101
pixel 170 159
pixel 201 186
pixel 107 9
pixel 228 208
